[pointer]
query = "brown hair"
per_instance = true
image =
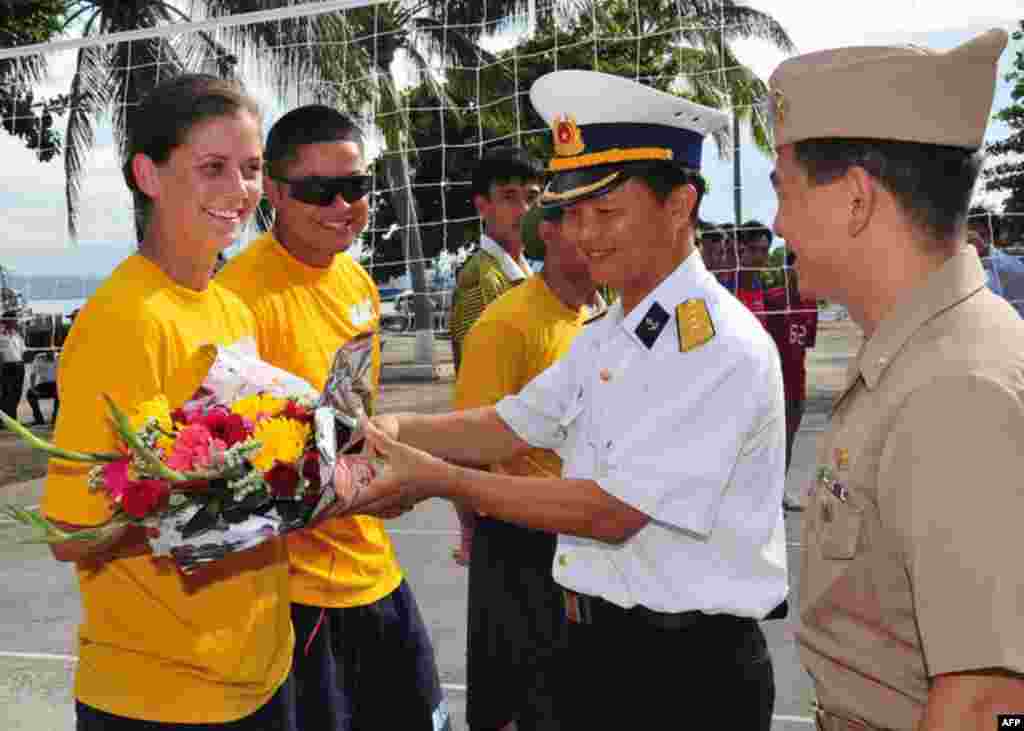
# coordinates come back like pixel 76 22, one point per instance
pixel 168 113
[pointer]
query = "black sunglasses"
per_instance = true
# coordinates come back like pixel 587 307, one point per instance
pixel 322 191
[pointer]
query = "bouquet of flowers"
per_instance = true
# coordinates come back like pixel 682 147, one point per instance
pixel 252 455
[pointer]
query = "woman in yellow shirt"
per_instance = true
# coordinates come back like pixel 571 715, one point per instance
pixel 157 649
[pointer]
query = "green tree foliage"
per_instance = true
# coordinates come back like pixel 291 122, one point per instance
pixel 486 103
pixel 360 76
pixel 1008 176
pixel 441 177
pixel 24 115
pixel 111 79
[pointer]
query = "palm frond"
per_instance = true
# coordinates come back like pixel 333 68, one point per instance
pixel 742 22
pixel 88 98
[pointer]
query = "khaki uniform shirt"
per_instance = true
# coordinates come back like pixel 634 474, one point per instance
pixel 911 567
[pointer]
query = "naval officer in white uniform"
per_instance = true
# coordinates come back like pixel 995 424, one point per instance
pixel 669 416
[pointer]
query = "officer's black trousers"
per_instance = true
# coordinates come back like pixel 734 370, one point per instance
pixel 626 674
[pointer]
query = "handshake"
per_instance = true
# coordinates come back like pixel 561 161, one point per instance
pixel 387 478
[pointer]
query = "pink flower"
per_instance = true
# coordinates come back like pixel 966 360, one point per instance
pixel 115 478
pixel 194 449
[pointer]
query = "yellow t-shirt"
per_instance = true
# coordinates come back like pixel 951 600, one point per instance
pixel 517 337
pixel 155 644
pixel 303 315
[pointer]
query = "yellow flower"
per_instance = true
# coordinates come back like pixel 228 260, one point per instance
pixel 158 410
pixel 281 440
pixel 258 405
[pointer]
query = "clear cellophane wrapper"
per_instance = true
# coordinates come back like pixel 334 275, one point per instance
pixel 236 371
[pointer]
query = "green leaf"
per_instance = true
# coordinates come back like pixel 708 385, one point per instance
pixel 47 532
pixel 50 448
pixel 136 445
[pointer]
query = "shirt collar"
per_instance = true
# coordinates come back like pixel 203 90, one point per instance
pixel 959 278
pixel 514 270
pixel 687 280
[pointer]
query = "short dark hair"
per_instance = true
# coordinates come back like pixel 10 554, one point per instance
pixel 168 113
pixel 502 165
pixel 307 125
pixel 662 177
pixel 932 183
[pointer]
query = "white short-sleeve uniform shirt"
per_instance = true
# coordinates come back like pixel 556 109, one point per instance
pixel 695 440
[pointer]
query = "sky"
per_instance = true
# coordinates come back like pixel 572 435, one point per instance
pixel 32 193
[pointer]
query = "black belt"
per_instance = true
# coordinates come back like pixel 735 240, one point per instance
pixel 585 609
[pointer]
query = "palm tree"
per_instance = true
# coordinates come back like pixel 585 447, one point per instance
pixel 22 113
pixel 113 78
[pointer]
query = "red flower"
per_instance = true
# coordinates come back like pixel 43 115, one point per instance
pixel 292 410
pixel 226 426
pixel 311 471
pixel 188 414
pixel 144 496
pixel 283 480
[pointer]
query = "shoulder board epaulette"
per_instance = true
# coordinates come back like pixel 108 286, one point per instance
pixel 694 325
pixel 595 318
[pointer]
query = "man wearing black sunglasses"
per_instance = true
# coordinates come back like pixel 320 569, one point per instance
pixel 363 656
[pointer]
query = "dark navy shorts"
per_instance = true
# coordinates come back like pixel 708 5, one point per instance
pixel 517 629
pixel 277 714
pixel 369 667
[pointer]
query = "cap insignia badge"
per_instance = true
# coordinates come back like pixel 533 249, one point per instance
pixel 779 106
pixel 694 324
pixel 568 138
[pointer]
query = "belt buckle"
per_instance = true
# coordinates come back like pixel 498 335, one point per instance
pixel 577 607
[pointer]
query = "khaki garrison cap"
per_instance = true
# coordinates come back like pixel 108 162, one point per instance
pixel 903 93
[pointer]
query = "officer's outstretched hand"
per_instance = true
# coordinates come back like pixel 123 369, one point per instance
pixel 406 476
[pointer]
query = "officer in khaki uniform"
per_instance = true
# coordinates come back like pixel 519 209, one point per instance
pixel 912 587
